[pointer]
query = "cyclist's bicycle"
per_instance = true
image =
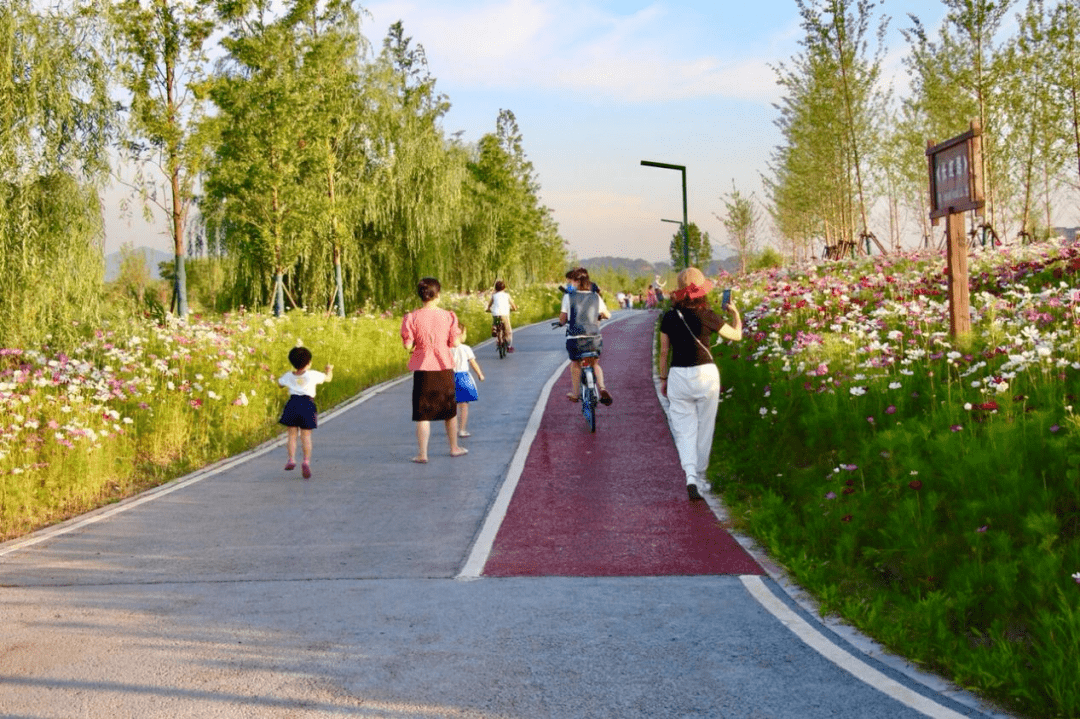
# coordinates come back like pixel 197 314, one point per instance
pixel 590 393
pixel 498 331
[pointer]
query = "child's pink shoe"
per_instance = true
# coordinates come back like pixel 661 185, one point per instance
pixel 305 470
pixel 290 466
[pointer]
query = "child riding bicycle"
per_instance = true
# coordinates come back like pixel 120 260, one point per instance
pixel 581 312
pixel 500 306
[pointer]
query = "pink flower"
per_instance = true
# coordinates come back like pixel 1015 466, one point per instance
pixel 870 420
pixel 891 409
pixel 830 495
pixel 1054 428
pixel 956 427
pixel 983 528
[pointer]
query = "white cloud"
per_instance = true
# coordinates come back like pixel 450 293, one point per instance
pixel 558 45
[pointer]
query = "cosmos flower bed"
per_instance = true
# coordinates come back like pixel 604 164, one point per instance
pixel 137 403
pixel 926 489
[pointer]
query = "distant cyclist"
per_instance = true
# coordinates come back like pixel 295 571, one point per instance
pixel 581 312
pixel 500 306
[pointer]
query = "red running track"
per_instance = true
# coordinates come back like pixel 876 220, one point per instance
pixel 612 503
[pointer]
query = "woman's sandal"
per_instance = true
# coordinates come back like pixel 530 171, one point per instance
pixel 605 398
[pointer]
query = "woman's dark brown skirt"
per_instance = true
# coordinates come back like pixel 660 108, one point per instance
pixel 434 396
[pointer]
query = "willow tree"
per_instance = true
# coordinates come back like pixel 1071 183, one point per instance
pixel 55 118
pixel 254 182
pixel 412 181
pixel 332 50
pixel 160 45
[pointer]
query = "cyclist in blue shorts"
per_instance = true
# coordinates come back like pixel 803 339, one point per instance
pixel 581 312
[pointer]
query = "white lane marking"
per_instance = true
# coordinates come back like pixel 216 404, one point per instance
pixel 859 669
pixel 486 539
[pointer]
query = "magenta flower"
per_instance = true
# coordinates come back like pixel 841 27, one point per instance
pixel 830 495
pixel 983 528
pixel 870 420
pixel 891 409
pixel 1054 428
pixel 956 427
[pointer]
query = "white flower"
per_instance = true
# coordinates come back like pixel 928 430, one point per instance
pixel 858 391
pixel 895 385
pixel 914 471
pixel 763 411
pixel 967 406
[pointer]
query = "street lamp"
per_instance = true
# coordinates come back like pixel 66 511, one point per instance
pixel 685 231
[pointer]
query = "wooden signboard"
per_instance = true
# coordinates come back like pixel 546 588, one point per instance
pixel 955 188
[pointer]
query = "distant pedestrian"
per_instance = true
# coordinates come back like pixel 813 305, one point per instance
pixel 658 290
pixel 300 414
pixel 650 298
pixel 689 377
pixel 464 358
pixel 429 334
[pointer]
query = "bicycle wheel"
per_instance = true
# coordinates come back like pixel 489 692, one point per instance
pixel 501 345
pixel 588 397
pixel 589 410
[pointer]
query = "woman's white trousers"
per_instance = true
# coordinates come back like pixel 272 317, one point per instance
pixel 693 394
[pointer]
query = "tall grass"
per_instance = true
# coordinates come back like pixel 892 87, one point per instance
pixel 926 489
pixel 135 402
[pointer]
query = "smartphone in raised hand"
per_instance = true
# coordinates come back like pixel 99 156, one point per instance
pixel 726 298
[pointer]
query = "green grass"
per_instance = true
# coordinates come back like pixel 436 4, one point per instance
pixel 925 489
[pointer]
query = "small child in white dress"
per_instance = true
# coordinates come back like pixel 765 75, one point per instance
pixel 464 357
pixel 300 414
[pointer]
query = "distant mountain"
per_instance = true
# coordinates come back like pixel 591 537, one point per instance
pixel 644 268
pixel 632 268
pixel 150 256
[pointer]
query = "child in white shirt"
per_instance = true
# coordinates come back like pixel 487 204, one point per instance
pixel 300 414
pixel 463 381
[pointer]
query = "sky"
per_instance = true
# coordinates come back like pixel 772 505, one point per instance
pixel 597 86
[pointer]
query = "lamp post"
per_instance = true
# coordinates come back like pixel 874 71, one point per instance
pixel 685 230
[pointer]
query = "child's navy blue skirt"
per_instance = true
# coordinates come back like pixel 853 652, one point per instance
pixel 300 412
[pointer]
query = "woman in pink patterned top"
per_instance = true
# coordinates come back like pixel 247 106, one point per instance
pixel 429 334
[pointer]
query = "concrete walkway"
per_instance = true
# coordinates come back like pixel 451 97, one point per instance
pixel 245 591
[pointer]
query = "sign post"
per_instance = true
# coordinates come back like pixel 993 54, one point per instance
pixel 955 188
